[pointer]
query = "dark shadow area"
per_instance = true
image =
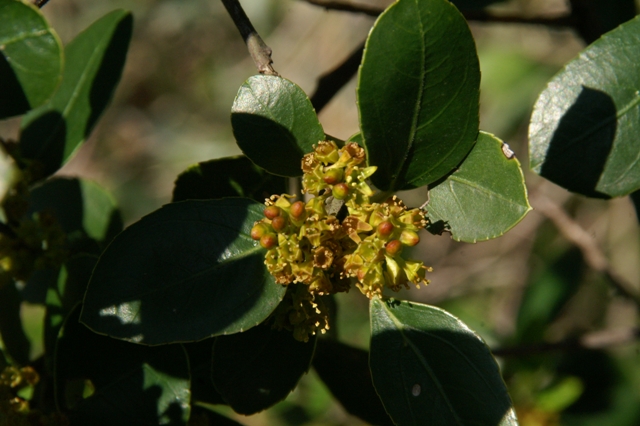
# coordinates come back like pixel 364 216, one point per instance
pixel 16 343
pixel 267 143
pixel 438 227
pixel 597 373
pixel 453 378
pixel 109 72
pixel 203 416
pixel 200 359
pixel 61 197
pixel 255 369
pixel 119 372
pixel 345 371
pixel 581 144
pixel 227 177
pixel 43 141
pixel 635 199
pixel 13 100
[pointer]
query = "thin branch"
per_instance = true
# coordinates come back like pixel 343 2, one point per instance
pixel 7 230
pixel 259 51
pixel 330 83
pixel 593 256
pixel 596 340
pixel 470 15
pixel 40 3
pixel 347 7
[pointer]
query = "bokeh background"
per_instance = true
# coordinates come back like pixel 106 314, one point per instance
pixel 172 109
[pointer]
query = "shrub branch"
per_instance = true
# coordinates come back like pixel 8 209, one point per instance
pixel 259 51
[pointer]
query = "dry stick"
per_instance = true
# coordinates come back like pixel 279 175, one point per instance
pixel 259 51
pixel 597 340
pixel 594 257
pixel 470 15
pixel 330 83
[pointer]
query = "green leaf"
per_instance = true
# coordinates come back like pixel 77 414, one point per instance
pixel 418 93
pixel 102 381
pixel 583 131
pixel 255 369
pixel 227 177
pixel 349 380
pixel 30 58
pixel 51 133
pixel 275 124
pixel 187 271
pixel 357 138
pixel 430 368
pixel 484 197
pixel 78 205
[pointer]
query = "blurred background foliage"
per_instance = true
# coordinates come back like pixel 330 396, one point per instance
pixel 565 338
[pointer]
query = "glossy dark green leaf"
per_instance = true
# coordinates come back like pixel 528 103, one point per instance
pixel 547 294
pixel 187 271
pixel 275 124
pixel 485 197
pixel 418 93
pixel 345 371
pixel 255 369
pixel 30 58
pixel 430 368
pixel 583 131
pixel 227 177
pixel 16 343
pixel 79 205
pixel 94 60
pixel 102 381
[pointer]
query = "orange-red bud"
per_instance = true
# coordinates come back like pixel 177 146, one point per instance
pixel 272 211
pixel 385 228
pixel 279 223
pixel 297 209
pixel 258 230
pixel 393 247
pixel 269 240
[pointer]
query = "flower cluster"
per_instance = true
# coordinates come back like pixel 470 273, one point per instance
pixel 326 253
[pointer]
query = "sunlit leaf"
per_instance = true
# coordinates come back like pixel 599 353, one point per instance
pixel 583 131
pixel 94 60
pixel 275 124
pixel 418 93
pixel 485 197
pixel 30 58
